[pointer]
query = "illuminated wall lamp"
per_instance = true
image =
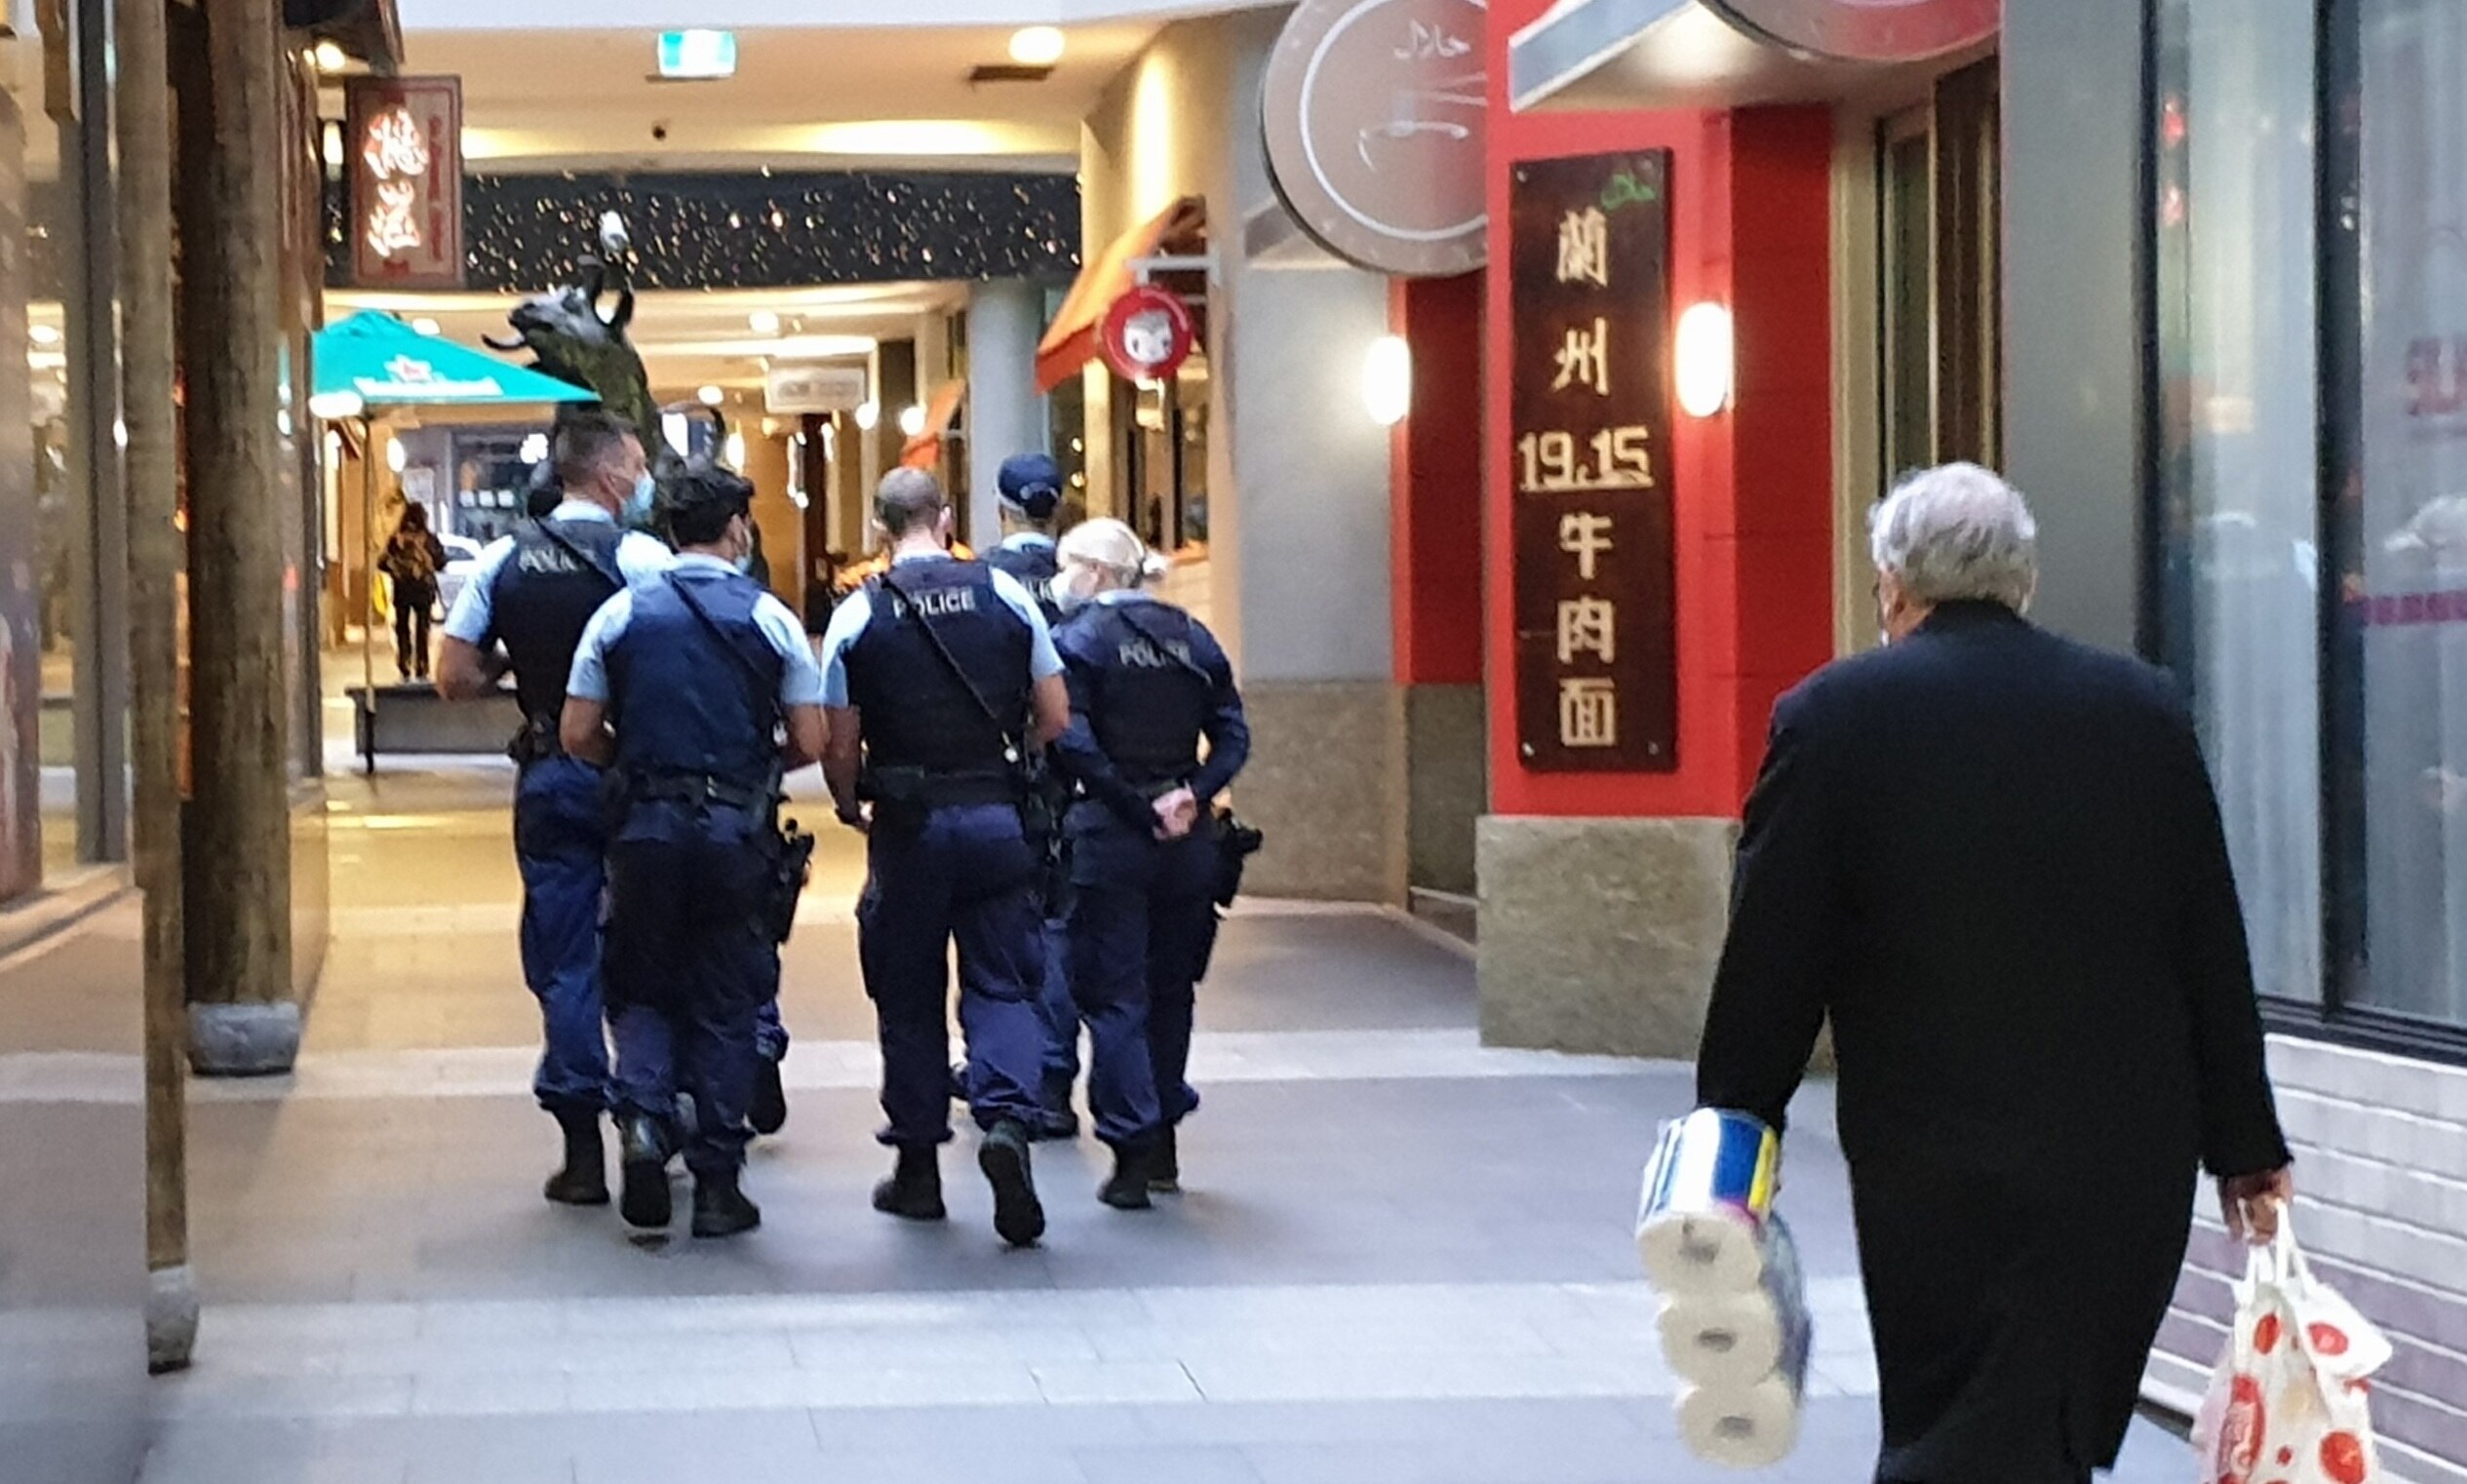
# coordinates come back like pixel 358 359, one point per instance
pixel 912 420
pixel 1388 380
pixel 1706 356
pixel 868 414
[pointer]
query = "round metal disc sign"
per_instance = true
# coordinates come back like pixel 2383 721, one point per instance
pixel 1869 30
pixel 1374 114
pixel 1148 333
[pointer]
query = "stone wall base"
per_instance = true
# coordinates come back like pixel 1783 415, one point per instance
pixel 170 1319
pixel 1446 783
pixel 1326 784
pixel 1601 935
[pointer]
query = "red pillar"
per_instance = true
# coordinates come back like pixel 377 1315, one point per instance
pixel 1436 484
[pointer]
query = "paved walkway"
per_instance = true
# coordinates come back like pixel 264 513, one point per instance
pixel 1402 1256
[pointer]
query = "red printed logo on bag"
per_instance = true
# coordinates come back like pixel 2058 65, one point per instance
pixel 2328 1340
pixel 2265 1333
pixel 2343 1458
pixel 2240 1433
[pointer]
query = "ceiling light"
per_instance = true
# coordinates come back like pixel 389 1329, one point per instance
pixel 427 327
pixel 329 57
pixel 535 448
pixel 43 335
pixel 912 420
pixel 697 55
pixel 332 405
pixel 1036 46
pixel 737 450
pixel 711 396
pixel 763 321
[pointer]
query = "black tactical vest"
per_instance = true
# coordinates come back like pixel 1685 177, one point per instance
pixel 684 705
pixel 1152 700
pixel 1035 566
pixel 560 575
pixel 917 713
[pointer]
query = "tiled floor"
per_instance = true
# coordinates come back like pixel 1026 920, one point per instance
pixel 1402 1256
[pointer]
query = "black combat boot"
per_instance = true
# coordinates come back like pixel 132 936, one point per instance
pixel 915 1190
pixel 584 1180
pixel 644 1158
pixel 1134 1165
pixel 768 1111
pixel 1165 1165
pixel 721 1209
pixel 1018 1217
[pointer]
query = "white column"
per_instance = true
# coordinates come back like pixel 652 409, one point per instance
pixel 1007 414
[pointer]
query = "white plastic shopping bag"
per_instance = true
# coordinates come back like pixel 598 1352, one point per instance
pixel 2290 1401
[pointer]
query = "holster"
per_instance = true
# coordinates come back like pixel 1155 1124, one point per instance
pixel 790 872
pixel 1236 843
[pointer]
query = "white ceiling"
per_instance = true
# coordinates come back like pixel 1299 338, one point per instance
pixel 691 339
pixel 803 99
pixel 660 15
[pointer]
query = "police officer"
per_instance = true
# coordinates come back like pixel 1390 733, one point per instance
pixel 1030 490
pixel 941 677
pixel 1148 684
pixel 534 592
pixel 713 696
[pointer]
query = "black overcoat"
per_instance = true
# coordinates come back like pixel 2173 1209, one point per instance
pixel 1993 857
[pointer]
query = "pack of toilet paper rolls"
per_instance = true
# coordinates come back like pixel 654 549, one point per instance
pixel 1734 1321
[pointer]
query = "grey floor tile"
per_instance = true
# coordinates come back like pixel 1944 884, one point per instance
pixel 1167 1464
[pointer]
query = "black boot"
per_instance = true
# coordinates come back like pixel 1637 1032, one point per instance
pixel 1018 1217
pixel 1134 1165
pixel 644 1202
pixel 768 1111
pixel 721 1209
pixel 915 1190
pixel 1165 1165
pixel 584 1180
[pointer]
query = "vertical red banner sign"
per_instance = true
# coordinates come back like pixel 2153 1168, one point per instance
pixel 1589 457
pixel 402 141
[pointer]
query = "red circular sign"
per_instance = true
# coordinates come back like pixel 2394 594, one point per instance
pixel 1869 30
pixel 1148 333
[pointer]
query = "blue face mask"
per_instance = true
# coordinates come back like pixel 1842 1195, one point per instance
pixel 745 564
pixel 638 508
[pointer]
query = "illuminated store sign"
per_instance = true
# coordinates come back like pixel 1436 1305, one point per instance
pixel 404 136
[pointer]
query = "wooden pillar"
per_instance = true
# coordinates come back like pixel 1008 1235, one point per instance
pixel 243 1019
pixel 142 103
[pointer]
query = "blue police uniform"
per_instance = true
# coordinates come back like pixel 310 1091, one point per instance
pixel 1147 682
pixel 1031 558
pixel 695 699
pixel 535 591
pixel 948 857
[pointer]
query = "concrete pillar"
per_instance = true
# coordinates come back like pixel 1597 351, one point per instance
pixel 1007 414
pixel 243 1019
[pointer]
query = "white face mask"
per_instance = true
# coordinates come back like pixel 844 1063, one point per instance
pixel 1076 588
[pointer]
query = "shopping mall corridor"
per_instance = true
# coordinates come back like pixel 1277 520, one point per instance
pixel 1401 1255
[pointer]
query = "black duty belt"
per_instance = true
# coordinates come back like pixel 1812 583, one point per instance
pixel 927 789
pixel 698 789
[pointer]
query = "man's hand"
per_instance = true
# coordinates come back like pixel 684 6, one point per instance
pixel 1177 813
pixel 860 819
pixel 2252 1204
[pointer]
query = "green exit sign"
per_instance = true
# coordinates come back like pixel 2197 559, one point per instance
pixel 697 55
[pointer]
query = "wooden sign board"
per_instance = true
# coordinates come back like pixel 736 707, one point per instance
pixel 1589 463
pixel 402 141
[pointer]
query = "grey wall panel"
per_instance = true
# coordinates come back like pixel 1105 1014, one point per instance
pixel 2075 310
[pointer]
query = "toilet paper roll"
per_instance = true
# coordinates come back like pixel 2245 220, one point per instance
pixel 1701 1220
pixel 1753 1426
pixel 1727 1341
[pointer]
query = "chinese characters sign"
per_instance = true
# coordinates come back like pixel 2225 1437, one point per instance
pixel 402 141
pixel 1589 463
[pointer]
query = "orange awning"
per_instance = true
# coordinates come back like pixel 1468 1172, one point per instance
pixel 1071 341
pixel 925 451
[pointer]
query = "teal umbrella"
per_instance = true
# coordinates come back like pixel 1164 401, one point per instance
pixel 375 360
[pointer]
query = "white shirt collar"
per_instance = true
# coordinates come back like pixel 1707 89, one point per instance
pixel 581 510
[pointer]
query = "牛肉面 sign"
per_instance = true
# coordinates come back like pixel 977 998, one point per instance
pixel 1589 464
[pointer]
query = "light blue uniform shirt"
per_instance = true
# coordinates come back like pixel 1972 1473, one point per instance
pixel 800 678
pixel 856 610
pixel 640 558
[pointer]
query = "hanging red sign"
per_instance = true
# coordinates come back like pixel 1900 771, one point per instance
pixel 404 141
pixel 1148 333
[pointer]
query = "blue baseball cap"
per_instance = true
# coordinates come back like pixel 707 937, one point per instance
pixel 1032 484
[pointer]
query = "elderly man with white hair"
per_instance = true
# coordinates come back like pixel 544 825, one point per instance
pixel 1992 857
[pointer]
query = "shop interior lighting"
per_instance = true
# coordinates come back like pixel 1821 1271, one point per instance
pixel 43 335
pixel 711 396
pixel 697 56
pixel 763 321
pixel 1388 380
pixel 397 457
pixel 535 448
pixel 1037 45
pixel 868 414
pixel 427 327
pixel 330 57
pixel 334 406
pixel 736 451
pixel 1706 356
pixel 912 420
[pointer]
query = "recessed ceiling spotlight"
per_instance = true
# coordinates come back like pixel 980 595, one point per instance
pixel 1036 46
pixel 764 322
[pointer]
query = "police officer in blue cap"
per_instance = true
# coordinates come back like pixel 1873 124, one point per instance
pixel 1030 487
pixel 532 593
pixel 713 696
pixel 942 680
pixel 1148 683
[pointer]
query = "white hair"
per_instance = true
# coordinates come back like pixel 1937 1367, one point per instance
pixel 1113 548
pixel 1955 533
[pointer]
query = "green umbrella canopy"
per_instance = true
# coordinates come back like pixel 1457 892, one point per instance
pixel 384 362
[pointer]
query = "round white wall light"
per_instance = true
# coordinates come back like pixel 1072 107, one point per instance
pixel 868 414
pixel 1706 356
pixel 912 420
